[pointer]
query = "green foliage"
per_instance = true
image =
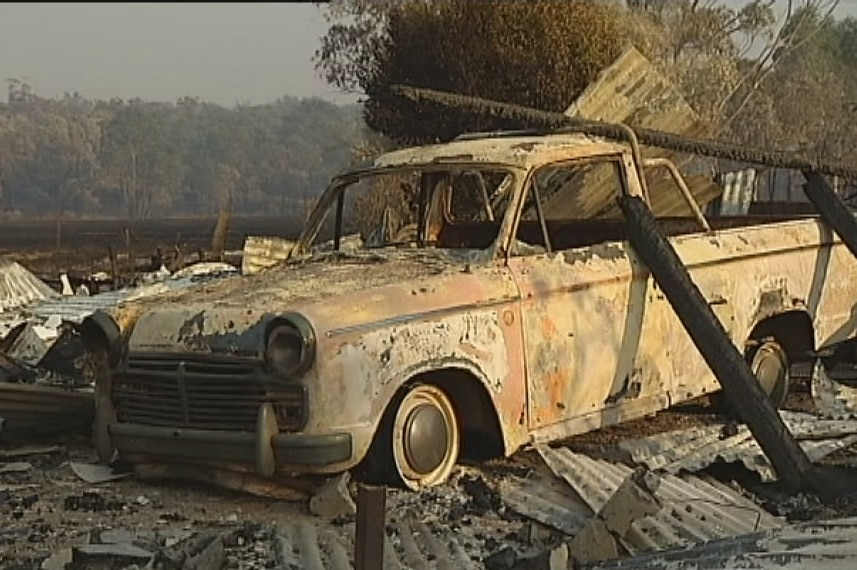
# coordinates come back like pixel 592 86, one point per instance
pixel 73 156
pixel 539 53
pixel 811 96
pixel 750 76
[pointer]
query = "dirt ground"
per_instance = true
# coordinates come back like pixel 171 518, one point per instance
pixel 80 247
pixel 47 509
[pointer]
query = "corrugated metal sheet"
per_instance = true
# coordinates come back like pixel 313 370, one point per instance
pixel 826 545
pixel 415 545
pixel 634 92
pixel 409 545
pixel 697 448
pixel 739 190
pixel 261 252
pixel 77 307
pixel 32 412
pixel 206 269
pixel 545 500
pixel 8 322
pixel 19 287
pixel 301 545
pixel 695 509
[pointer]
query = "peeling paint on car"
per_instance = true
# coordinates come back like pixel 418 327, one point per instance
pixel 560 342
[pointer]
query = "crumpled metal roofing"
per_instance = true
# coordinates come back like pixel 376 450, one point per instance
pixel 19 287
pixel 694 509
pixel 33 412
pixel 826 545
pixel 410 544
pixel 75 308
pixel 546 500
pixel 696 448
pixel 633 91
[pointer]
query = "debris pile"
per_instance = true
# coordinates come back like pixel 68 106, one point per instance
pixel 696 448
pixel 45 378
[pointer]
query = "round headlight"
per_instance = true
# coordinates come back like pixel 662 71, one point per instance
pixel 100 335
pixel 290 347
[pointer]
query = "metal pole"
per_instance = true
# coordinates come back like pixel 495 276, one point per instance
pixel 370 532
pixel 649 137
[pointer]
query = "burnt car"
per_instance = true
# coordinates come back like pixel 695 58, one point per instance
pixel 505 307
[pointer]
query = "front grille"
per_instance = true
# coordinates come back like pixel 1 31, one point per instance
pixel 216 394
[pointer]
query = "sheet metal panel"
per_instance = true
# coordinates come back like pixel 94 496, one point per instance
pixel 19 287
pixel 826 545
pixel 694 509
pixel 697 448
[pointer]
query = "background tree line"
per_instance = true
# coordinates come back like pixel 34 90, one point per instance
pixel 773 74
pixel 76 157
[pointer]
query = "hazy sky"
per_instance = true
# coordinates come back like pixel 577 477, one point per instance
pixel 225 53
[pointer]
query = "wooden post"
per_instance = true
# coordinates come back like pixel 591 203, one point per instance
pixel 371 531
pixel 831 207
pixel 740 385
pixel 132 263
pixel 114 272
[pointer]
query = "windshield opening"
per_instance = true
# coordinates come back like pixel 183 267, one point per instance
pixel 447 208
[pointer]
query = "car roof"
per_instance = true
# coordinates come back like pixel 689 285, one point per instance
pixel 522 151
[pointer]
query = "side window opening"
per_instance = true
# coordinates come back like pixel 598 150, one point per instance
pixel 427 206
pixel 569 205
pixel 474 206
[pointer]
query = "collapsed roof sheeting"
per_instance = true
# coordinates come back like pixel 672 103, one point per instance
pixel 826 545
pixel 697 448
pixel 634 92
pixel 695 509
pixel 262 252
pixel 34 412
pixel 76 308
pixel 547 500
pixel 19 287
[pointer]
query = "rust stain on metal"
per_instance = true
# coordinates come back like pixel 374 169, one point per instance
pixel 558 342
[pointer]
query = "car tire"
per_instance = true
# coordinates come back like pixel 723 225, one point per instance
pixel 770 365
pixel 425 437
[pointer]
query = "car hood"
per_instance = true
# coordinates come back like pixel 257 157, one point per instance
pixel 231 315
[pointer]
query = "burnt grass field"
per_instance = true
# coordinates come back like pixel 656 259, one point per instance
pixel 80 247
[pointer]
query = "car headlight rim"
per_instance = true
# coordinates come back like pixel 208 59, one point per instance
pixel 290 345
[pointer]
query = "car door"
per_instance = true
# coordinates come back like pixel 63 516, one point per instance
pixel 584 298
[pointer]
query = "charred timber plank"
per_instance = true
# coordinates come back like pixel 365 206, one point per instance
pixel 669 141
pixel 832 208
pixel 739 383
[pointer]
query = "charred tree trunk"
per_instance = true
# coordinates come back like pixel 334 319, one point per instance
pixel 740 385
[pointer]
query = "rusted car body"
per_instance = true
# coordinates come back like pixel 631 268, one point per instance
pixel 525 318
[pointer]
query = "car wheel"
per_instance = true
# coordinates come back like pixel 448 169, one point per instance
pixel 770 364
pixel 425 438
